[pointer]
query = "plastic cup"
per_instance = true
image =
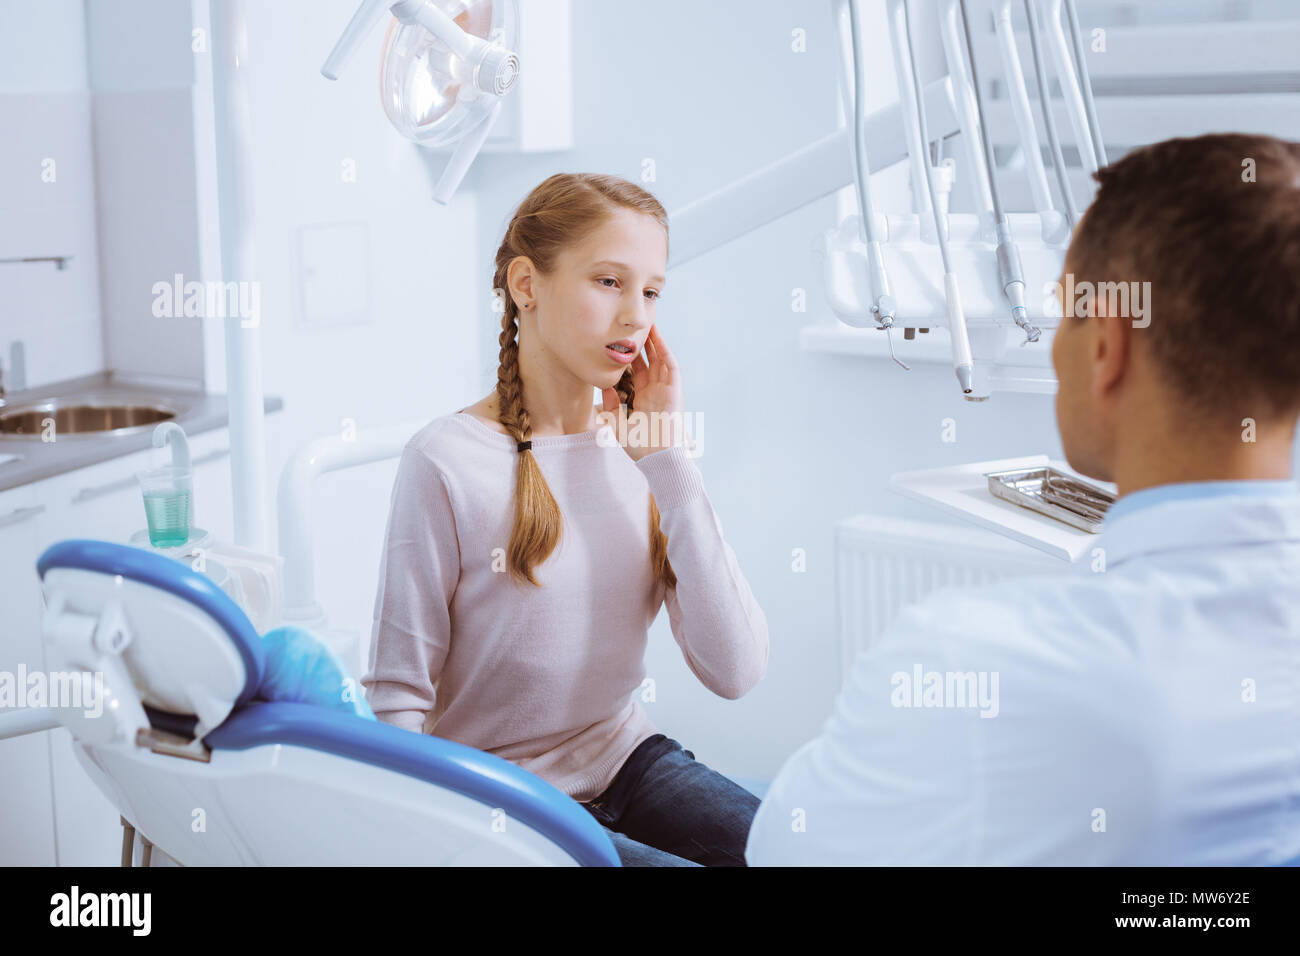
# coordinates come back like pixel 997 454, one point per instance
pixel 168 494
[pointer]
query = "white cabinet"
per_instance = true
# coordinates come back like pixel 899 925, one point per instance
pixel 103 502
pixel 26 794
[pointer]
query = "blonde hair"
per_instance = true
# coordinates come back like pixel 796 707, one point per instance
pixel 559 210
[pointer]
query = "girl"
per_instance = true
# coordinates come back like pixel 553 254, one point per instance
pixel 525 559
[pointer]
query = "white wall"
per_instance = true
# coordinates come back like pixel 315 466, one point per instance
pixel 47 192
pixel 103 92
pixel 142 74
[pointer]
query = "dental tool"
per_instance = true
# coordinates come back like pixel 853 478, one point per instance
pixel 964 95
pixel 962 363
pixel 1009 268
pixel 1085 82
pixel 880 263
pixel 882 307
pixel 1053 222
pixel 922 201
pixel 1070 94
pixel 1045 102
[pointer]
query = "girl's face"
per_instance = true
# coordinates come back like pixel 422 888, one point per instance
pixel 603 290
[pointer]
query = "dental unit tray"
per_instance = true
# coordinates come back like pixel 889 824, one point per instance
pixel 963 491
pixel 1054 493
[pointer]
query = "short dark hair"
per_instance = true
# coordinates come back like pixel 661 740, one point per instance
pixel 1213 223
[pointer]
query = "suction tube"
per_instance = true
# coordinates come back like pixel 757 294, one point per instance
pixel 962 363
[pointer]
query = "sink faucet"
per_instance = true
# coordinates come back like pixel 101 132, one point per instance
pixel 17 369
pixel 60 262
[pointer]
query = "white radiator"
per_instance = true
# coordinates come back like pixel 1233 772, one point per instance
pixel 883 564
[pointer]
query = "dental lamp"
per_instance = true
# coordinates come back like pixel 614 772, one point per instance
pixel 442 77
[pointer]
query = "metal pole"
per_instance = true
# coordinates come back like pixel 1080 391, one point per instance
pixel 239 265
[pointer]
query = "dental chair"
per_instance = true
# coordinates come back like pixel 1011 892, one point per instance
pixel 213 775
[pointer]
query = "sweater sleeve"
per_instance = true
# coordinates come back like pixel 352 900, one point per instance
pixel 715 620
pixel 418 572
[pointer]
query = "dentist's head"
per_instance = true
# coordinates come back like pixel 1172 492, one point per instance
pixel 580 268
pixel 1178 353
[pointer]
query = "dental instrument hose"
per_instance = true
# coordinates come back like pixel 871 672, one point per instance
pixel 883 306
pixel 1009 269
pixel 962 362
pixel 1081 64
pixel 1045 100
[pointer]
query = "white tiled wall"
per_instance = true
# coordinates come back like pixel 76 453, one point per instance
pixel 45 115
pixel 97 164
pixel 144 150
pixel 54 313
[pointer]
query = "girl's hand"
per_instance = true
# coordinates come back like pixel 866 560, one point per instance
pixel 658 384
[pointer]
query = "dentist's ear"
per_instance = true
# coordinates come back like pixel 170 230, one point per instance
pixel 1111 351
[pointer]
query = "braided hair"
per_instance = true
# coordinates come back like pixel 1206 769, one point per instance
pixel 562 207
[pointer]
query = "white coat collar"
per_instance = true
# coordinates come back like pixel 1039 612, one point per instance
pixel 1200 523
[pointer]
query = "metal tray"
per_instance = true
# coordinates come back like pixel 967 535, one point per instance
pixel 1054 493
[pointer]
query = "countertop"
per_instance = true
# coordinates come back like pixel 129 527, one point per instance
pixel 196 412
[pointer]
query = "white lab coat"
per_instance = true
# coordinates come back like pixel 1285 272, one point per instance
pixel 1148 712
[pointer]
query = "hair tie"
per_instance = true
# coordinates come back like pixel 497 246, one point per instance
pixel 525 445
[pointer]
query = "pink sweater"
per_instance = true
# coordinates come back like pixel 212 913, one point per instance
pixel 548 677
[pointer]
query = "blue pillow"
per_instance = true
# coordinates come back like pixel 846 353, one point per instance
pixel 301 667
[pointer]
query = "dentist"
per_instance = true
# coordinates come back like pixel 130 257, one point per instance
pixel 1143 709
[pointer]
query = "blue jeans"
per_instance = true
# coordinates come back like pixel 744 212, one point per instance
pixel 664 808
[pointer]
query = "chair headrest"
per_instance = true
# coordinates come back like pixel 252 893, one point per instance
pixel 193 650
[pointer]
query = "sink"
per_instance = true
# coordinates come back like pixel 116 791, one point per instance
pixel 81 417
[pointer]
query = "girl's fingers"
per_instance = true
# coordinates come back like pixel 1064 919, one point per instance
pixel 642 363
pixel 663 358
pixel 651 349
pixel 662 352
